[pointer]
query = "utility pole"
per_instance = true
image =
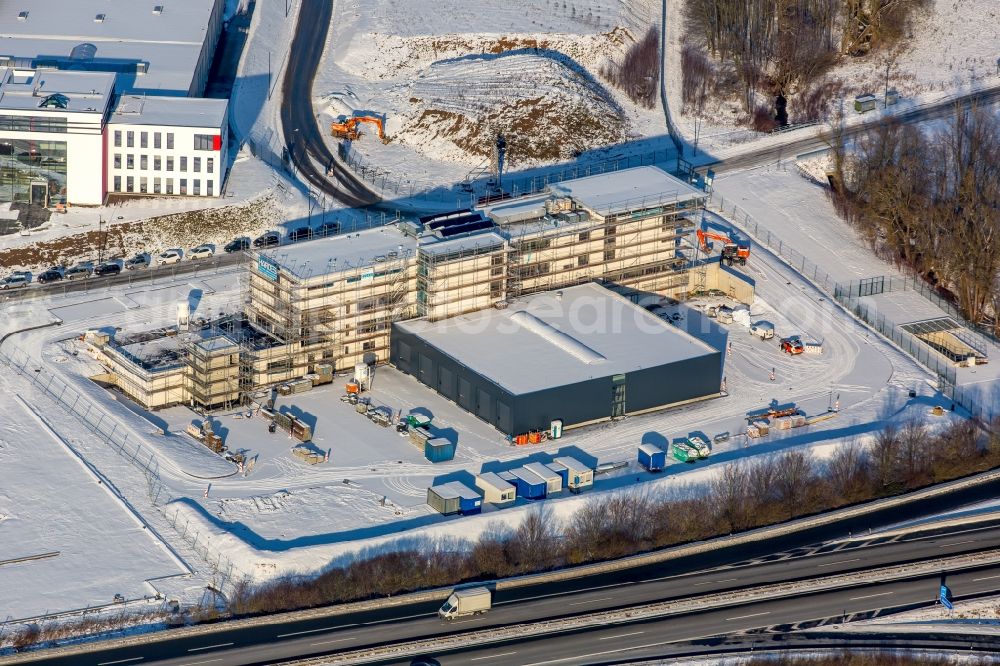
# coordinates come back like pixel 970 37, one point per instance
pixel 269 73
pixel 100 240
pixel 885 96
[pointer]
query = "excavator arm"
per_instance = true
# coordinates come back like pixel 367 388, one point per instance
pixel 348 129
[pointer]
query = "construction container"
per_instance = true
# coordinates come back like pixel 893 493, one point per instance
pixel 683 453
pixel 653 458
pixel 496 490
pixel 299 386
pixel 439 449
pixel 700 445
pixel 529 485
pixel 576 476
pixel 352 387
pixel 415 420
pixel 553 480
pixel 325 373
pixel 454 497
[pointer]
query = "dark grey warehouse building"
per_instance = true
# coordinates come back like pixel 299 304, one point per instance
pixel 579 355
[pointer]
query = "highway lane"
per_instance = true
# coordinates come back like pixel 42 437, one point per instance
pixel 647 639
pixel 302 134
pixel 287 639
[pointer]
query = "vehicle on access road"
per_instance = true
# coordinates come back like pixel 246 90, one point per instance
pixel 169 257
pixel 792 345
pixel 202 252
pixel 470 601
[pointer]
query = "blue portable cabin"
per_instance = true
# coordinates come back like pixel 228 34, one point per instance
pixel 529 485
pixel 454 497
pixel 653 458
pixel 439 449
pixel 553 479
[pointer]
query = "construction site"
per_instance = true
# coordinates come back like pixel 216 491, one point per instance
pixel 328 306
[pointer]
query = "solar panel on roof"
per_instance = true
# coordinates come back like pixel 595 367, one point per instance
pixel 454 222
pixel 465 228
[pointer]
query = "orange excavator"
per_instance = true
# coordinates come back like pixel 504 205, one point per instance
pixel 348 129
pixel 732 252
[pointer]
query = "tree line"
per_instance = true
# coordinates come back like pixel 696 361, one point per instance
pixel 782 48
pixel 930 201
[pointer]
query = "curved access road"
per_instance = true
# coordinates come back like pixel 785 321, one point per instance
pixel 303 136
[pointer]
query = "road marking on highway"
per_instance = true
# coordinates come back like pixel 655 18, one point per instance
pixel 608 638
pixel 209 647
pixel 709 582
pixel 830 564
pixel 335 640
pixel 123 661
pixel 314 631
pixel 598 654
pixel 405 617
pixel 743 617
pixel 195 663
pixel 956 543
pixel 563 594
pixel 592 601
pixel 493 656
pixel 976 580
pixel 869 596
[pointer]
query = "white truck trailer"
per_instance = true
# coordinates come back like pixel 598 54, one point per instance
pixel 470 601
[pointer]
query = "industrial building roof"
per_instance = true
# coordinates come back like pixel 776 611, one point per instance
pixel 172 111
pixel 626 190
pixel 334 254
pixel 556 338
pixel 55 91
pixel 489 239
pixel 111 35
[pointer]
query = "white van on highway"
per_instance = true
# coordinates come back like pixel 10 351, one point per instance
pixel 470 601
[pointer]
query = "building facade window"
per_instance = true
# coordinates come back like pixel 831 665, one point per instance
pixel 197 187
pixel 118 160
pixel 197 165
pixel 156 162
pixel 130 139
pixel 118 183
pixel 209 188
pixel 170 164
pixel 143 162
pixel 204 142
pixel 118 138
pixel 170 140
pixel 142 184
pixel 144 139
pixel 157 139
pixel 156 185
pixel 130 184
pixel 184 164
pixel 27 164
pixel 183 186
pixel 210 165
pixel 170 185
pixel 130 161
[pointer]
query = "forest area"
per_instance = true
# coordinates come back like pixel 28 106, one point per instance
pixel 929 200
pixel 773 56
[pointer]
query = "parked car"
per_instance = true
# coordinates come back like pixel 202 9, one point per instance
pixel 169 257
pixel 108 268
pixel 53 274
pixel 300 234
pixel 327 229
pixel 141 260
pixel 792 345
pixel 763 330
pixel 201 252
pixel 14 282
pixel 25 274
pixel 269 239
pixel 237 245
pixel 79 272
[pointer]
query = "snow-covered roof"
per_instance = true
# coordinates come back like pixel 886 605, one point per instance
pixel 572 464
pixel 172 111
pixel 341 252
pixel 493 480
pixel 455 490
pixel 626 190
pixel 55 91
pixel 112 35
pixel 556 338
pixel 473 241
pixel 543 471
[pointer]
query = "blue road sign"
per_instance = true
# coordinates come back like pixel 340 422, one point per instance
pixel 943 597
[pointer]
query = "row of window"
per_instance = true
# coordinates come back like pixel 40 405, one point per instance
pixel 201 141
pixel 164 186
pixel 33 124
pixel 158 163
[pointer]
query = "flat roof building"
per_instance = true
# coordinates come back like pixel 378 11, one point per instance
pixel 580 354
pixel 164 47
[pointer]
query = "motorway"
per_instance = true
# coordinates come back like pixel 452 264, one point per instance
pixel 285 639
pixel 302 134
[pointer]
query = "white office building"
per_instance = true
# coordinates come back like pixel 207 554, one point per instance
pixel 51 136
pixel 167 146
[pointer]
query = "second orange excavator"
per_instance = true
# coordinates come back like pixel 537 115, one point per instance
pixel 732 252
pixel 348 128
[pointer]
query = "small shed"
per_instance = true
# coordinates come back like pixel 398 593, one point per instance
pixel 865 103
pixel 439 449
pixel 575 475
pixel 553 480
pixel 496 490
pixel 891 97
pixel 454 497
pixel 529 485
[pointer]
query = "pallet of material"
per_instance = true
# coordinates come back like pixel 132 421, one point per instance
pixel 307 456
pixel 300 386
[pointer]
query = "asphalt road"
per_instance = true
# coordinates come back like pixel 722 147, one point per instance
pixel 819 140
pixel 286 640
pixel 299 126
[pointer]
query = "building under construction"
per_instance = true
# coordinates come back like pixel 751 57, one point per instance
pixel 333 301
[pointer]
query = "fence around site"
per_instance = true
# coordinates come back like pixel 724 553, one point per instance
pixel 849 295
